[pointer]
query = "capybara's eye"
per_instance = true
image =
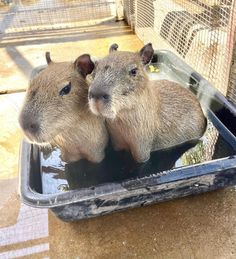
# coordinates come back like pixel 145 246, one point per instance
pixel 65 90
pixel 133 72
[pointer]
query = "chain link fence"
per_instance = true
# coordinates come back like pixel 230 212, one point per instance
pixel 33 15
pixel 201 32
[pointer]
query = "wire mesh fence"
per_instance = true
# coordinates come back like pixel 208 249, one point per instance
pixel 201 32
pixel 30 15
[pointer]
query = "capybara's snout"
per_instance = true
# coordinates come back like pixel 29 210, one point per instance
pixel 97 95
pixel 99 100
pixel 29 125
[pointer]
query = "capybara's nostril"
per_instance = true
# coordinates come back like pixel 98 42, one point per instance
pixel 34 127
pixel 105 97
pixel 28 124
pixel 99 96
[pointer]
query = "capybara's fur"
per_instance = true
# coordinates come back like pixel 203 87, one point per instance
pixel 56 111
pixel 142 115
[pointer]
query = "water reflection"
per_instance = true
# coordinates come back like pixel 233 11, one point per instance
pixel 118 166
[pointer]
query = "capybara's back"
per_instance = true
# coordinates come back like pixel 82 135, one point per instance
pixel 179 114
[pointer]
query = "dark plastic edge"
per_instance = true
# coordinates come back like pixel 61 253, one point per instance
pixel 104 191
pixel 133 187
pixel 203 82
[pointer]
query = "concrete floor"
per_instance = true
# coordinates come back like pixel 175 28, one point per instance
pixel 202 226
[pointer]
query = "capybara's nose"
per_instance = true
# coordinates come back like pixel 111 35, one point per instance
pixel 28 124
pixel 99 96
pixel 33 127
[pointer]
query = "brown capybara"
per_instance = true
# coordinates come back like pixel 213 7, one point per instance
pixel 56 111
pixel 142 115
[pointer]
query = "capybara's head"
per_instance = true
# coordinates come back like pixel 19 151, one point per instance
pixel 117 79
pixel 54 98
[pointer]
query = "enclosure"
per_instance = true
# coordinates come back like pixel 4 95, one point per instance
pixel 202 34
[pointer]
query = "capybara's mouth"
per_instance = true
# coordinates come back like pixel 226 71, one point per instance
pixel 96 107
pixel 108 113
pixel 34 139
pixel 100 108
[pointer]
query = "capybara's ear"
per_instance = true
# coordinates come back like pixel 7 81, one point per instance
pixel 113 47
pixel 84 65
pixel 48 58
pixel 146 53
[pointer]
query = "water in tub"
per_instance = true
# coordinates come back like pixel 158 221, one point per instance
pixel 58 176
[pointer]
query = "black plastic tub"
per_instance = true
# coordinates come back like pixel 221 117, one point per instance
pixel 83 190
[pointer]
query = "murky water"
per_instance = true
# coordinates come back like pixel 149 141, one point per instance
pixel 58 176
